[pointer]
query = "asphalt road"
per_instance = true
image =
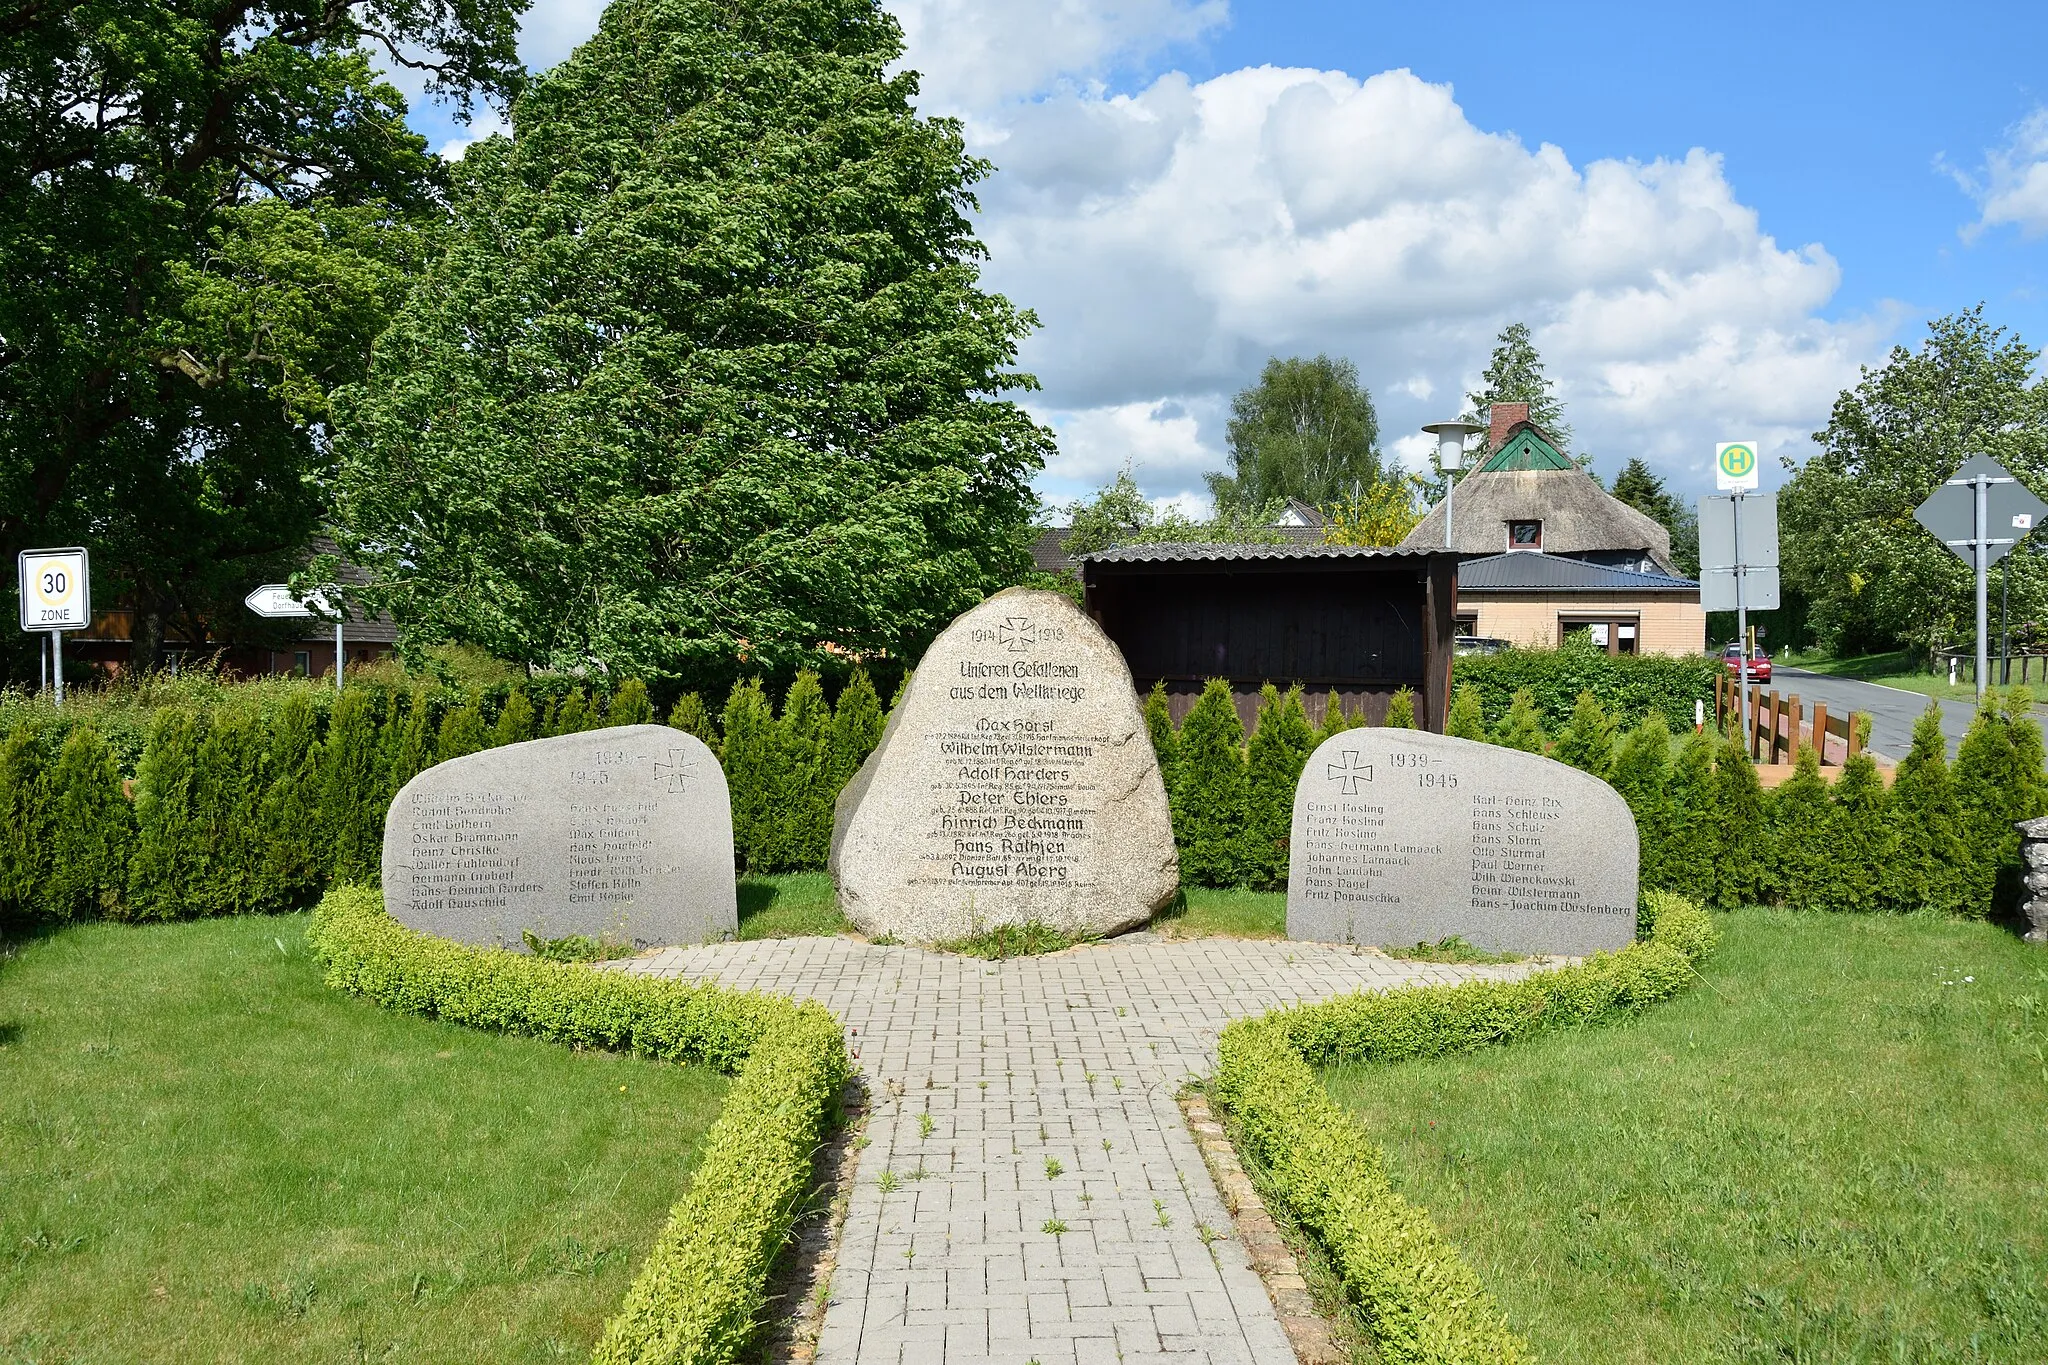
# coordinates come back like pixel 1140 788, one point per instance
pixel 1892 710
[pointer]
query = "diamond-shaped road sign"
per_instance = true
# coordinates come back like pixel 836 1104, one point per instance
pixel 2010 511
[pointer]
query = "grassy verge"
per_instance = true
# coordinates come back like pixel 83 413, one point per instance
pixel 1201 913
pixel 210 1156
pixel 1833 1154
pixel 790 905
pixel 1903 669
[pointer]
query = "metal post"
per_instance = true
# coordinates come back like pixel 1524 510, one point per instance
pixel 337 654
pixel 1741 618
pixel 1450 490
pixel 2005 624
pixel 1983 486
pixel 43 658
pixel 57 651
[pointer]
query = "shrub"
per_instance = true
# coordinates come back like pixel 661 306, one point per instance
pixel 1743 850
pixel 1401 709
pixel 1210 818
pixel 354 789
pixel 291 855
pixel 172 857
pixel 516 721
pixel 91 829
pixel 1522 727
pixel 24 842
pixel 1629 686
pixel 462 733
pixel 1641 773
pixel 1165 739
pixel 689 716
pixel 801 829
pixel 749 756
pixel 1587 740
pixel 1466 719
pixel 857 725
pixel 1689 857
pixel 1995 788
pixel 411 738
pixel 1926 848
pixel 1801 844
pixel 1279 749
pixel 1859 837
pixel 572 716
pixel 630 705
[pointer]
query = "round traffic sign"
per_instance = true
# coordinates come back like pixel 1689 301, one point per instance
pixel 1737 460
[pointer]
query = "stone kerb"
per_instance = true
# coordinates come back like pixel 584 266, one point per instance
pixel 1402 836
pixel 1015 782
pixel 623 833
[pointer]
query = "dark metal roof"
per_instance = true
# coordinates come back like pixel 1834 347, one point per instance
pixel 1534 571
pixel 1185 552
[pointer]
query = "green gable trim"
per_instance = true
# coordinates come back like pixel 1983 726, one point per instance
pixel 1526 449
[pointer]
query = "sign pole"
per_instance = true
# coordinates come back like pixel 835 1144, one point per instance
pixel 57 650
pixel 338 655
pixel 1741 623
pixel 1983 490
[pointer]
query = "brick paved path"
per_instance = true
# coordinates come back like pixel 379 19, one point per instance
pixel 1072 1058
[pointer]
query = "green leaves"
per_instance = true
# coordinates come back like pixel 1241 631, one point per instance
pixel 704 382
pixel 1306 430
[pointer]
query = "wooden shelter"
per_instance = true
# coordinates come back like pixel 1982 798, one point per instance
pixel 1361 621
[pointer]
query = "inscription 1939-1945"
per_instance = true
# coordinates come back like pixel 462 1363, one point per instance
pixel 1403 837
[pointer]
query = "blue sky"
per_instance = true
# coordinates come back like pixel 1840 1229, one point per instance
pixel 1710 215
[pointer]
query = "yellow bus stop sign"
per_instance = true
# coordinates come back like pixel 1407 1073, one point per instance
pixel 1736 466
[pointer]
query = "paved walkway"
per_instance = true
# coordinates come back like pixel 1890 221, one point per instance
pixel 1010 1095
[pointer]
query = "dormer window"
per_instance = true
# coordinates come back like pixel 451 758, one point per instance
pixel 1525 535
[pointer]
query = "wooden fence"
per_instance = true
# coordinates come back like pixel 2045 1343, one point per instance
pixel 1778 725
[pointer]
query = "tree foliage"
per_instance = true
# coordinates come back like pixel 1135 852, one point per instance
pixel 1212 805
pixel 1119 513
pixel 1274 757
pixel 1306 430
pixel 704 381
pixel 1872 575
pixel 1515 374
pixel 1380 513
pixel 1645 492
pixel 208 210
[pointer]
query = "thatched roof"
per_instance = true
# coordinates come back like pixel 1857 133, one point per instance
pixel 1578 516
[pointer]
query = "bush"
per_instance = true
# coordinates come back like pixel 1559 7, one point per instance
pixel 172 858
pixel 1279 749
pixel 516 721
pixel 1401 709
pixel 1859 838
pixel 799 832
pixel 462 734
pixel 1522 727
pixel 1587 740
pixel 91 830
pixel 24 839
pixel 292 860
pixel 1694 849
pixel 1629 686
pixel 630 705
pixel 698 1295
pixel 1641 773
pixel 354 789
pixel 1209 823
pixel 1420 1300
pixel 857 724
pixel 749 756
pixel 1467 718
pixel 1926 848
pixel 1801 843
pixel 1743 850
pixel 689 716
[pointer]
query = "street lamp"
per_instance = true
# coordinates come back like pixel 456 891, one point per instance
pixel 1450 459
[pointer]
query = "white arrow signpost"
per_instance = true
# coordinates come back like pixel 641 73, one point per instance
pixel 275 601
pixel 1981 512
pixel 56 596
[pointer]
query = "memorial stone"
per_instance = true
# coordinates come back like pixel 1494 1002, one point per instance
pixel 622 834
pixel 1015 782
pixel 1403 837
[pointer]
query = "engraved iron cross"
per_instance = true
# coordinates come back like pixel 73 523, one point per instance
pixel 676 770
pixel 1017 633
pixel 1350 772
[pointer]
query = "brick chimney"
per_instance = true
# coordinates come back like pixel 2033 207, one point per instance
pixel 1500 418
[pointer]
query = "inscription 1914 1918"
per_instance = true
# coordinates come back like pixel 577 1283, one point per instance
pixel 1016 782
pixel 1402 837
pixel 622 834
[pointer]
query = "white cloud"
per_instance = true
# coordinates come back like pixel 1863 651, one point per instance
pixel 2013 189
pixel 1160 440
pixel 974 55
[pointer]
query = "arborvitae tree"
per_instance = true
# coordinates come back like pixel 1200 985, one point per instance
pixel 1587 741
pixel 1693 851
pixel 1860 838
pixel 171 840
pixel 24 843
pixel 355 787
pixel 689 716
pixel 857 724
pixel 1927 849
pixel 801 817
pixel 749 758
pixel 902 691
pixel 1641 773
pixel 1333 720
pixel 1986 783
pixel 516 720
pixel 572 716
pixel 1522 727
pixel 1802 847
pixel 630 705
pixel 413 743
pixel 1165 739
pixel 1401 710
pixel 227 799
pixel 1209 823
pixel 1745 842
pixel 1467 719
pixel 1279 749
pixel 462 733
pixel 544 720
pixel 91 831
pixel 289 808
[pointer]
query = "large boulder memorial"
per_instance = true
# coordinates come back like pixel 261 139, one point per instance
pixel 622 835
pixel 1403 837
pixel 1015 782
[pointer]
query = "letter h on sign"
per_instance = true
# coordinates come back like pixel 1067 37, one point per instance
pixel 1350 772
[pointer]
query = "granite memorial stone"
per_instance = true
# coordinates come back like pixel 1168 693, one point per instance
pixel 1403 837
pixel 1015 782
pixel 2034 877
pixel 622 834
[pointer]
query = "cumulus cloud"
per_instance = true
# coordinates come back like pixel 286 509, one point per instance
pixel 2013 188
pixel 975 55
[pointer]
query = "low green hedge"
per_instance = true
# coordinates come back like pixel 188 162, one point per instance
pixel 1628 686
pixel 698 1296
pixel 1423 1303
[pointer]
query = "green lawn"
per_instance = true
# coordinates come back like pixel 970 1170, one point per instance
pixel 1904 669
pixel 790 905
pixel 207 1155
pixel 1226 914
pixel 1832 1150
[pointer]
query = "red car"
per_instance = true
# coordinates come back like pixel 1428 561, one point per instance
pixel 1759 663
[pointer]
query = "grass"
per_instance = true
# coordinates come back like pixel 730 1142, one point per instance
pixel 1829 1153
pixel 1011 940
pixel 1451 949
pixel 1200 913
pixel 1903 669
pixel 789 905
pixel 210 1156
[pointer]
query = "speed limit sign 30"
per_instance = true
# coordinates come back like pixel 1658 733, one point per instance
pixel 56 590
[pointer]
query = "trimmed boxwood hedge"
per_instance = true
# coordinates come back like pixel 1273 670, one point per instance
pixel 1423 1304
pixel 698 1296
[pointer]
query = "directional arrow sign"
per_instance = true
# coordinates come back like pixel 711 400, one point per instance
pixel 2010 511
pixel 275 600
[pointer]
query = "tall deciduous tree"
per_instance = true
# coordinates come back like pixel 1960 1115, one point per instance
pixel 1515 374
pixel 207 211
pixel 1306 430
pixel 704 382
pixel 1873 577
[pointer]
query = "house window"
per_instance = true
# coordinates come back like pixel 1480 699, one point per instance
pixel 302 663
pixel 1615 634
pixel 1525 535
pixel 1468 623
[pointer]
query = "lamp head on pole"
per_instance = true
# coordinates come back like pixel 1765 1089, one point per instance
pixel 1450 443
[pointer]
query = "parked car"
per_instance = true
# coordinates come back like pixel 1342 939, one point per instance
pixel 1478 644
pixel 1759 663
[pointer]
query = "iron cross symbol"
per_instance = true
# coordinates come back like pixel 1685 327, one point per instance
pixel 1017 634
pixel 675 770
pixel 1351 772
